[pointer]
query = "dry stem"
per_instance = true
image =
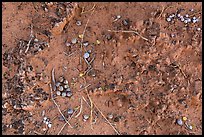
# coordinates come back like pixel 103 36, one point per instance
pixel 80 109
pixel 129 31
pixel 31 37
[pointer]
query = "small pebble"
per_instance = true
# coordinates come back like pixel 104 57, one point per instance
pixel 47 122
pixel 74 41
pixel 194 18
pixel 86 43
pixel 198 29
pixel 110 116
pixel 125 22
pixel 186 15
pixel 66 86
pixel 61 88
pixel 191 10
pixel 178 15
pixel 68 89
pixel 189 127
pixel 168 19
pixel 86 55
pixel 49 125
pixel 68 44
pixel 61 79
pixel 118 16
pixel 184 118
pixel 179 122
pixel 45 118
pixel 78 23
pixel 65 81
pixel 57 84
pixel 36 40
pixel 182 18
pixel 58 93
pixel 70 111
pixel 189 20
pixel 185 21
pixel 85 117
pixel 63 94
pixel 69 94
pixel 172 15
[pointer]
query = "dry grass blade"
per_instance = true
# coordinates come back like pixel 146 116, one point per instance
pixel 91 111
pixel 31 37
pixel 80 108
pixel 83 35
pixel 130 31
pixel 88 10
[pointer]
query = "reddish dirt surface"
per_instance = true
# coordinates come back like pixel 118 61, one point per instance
pixel 146 80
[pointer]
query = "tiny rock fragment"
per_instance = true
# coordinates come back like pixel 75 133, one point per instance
pixel 80 36
pixel 179 122
pixel 86 55
pixel 184 118
pixel 98 42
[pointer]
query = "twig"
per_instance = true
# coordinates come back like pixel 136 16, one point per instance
pixel 31 37
pixel 53 79
pixel 163 9
pixel 83 36
pixel 91 111
pixel 88 10
pixel 198 12
pixel 37 133
pixel 66 123
pixel 85 87
pixel 129 31
pixel 80 108
pixel 58 107
pixel 89 105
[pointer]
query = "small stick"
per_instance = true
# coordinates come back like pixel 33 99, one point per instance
pixel 91 111
pixel 53 79
pixel 88 10
pixel 129 31
pixel 31 37
pixel 83 37
pixel 37 133
pixel 80 109
pixel 85 87
pixel 163 9
pixel 58 107
pixel 89 105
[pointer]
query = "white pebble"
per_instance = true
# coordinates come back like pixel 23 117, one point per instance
pixel 45 118
pixel 187 15
pixel 189 20
pixel 198 29
pixel 194 21
pixel 86 55
pixel 185 21
pixel 194 18
pixel 168 19
pixel 178 15
pixel 74 41
pixel 78 23
pixel 118 16
pixel 49 125
pixel 182 19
